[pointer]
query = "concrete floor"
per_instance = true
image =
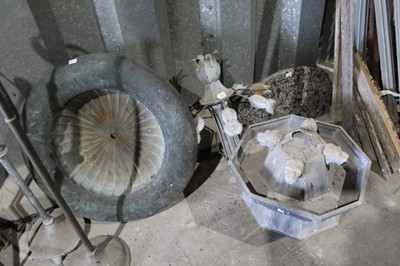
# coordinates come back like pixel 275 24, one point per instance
pixel 213 226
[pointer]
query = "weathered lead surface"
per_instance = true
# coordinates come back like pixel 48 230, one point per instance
pixel 314 207
pixel 96 72
pixel 111 145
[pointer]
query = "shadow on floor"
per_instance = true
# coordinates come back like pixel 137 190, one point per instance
pixel 218 205
pixel 202 172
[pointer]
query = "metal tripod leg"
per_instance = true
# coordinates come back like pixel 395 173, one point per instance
pixel 103 253
pixel 49 238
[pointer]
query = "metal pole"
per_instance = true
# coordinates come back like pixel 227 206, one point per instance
pixel 20 135
pixel 386 55
pixel 229 144
pixel 47 219
pixel 361 25
pixel 396 14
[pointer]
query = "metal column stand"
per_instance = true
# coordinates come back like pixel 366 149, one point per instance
pixel 386 56
pixel 229 144
pixel 109 250
pixel 56 237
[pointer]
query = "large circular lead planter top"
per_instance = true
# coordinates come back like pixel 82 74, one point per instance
pixel 118 140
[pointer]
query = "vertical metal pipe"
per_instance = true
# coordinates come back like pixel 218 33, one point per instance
pixel 37 163
pixel 361 25
pixel 396 12
pixel 229 144
pixel 386 55
pixel 13 173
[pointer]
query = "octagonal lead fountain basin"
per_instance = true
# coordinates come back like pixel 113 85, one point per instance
pixel 296 217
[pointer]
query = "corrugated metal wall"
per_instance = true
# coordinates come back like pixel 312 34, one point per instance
pixel 254 38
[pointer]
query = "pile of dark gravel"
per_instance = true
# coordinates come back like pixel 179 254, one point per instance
pixel 303 91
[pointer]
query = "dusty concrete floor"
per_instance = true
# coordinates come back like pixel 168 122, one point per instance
pixel 213 226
